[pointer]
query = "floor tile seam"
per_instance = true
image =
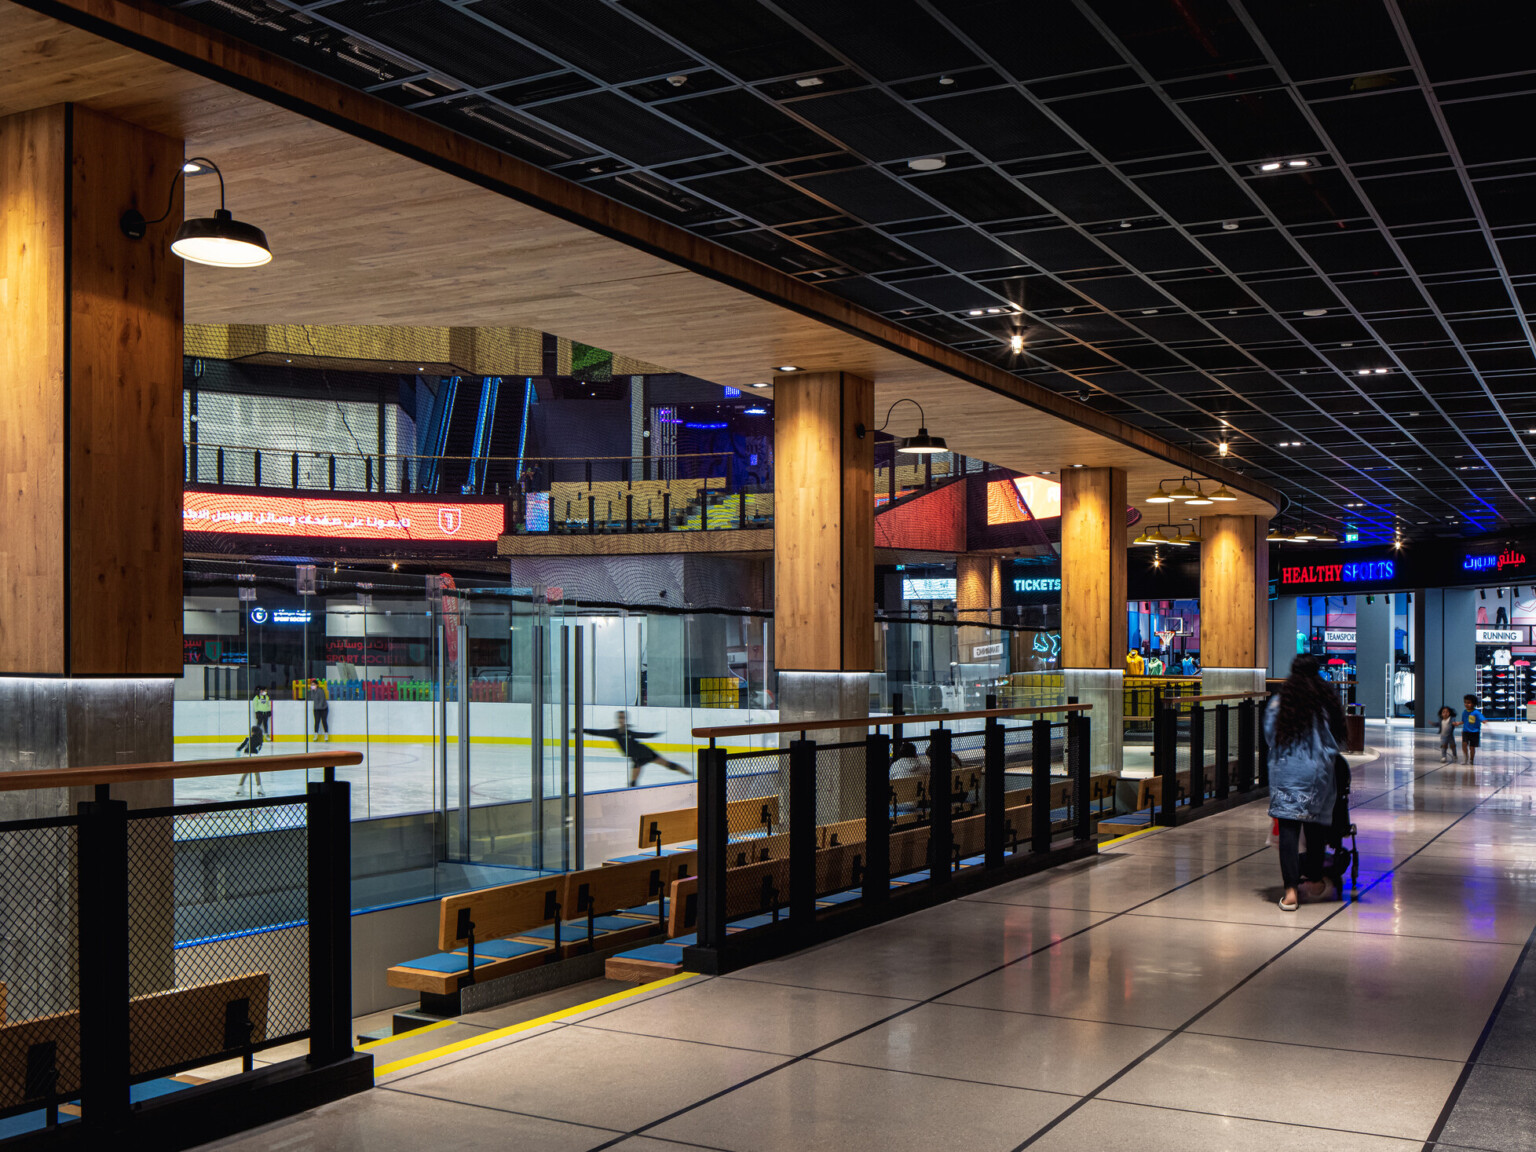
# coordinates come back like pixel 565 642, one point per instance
pixel 1262 1120
pixel 1211 1007
pixel 1049 1016
pixel 493 1108
pixel 940 1076
pixel 812 988
pixel 683 1040
pixel 1418 936
pixel 909 1008
pixel 470 1053
pixel 1323 1047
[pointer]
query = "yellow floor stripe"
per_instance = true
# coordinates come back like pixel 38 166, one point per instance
pixel 1131 835
pixel 372 1044
pixel 513 1029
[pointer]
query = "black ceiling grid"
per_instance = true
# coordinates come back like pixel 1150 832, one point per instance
pixel 783 129
pixel 1417 515
pixel 1416 279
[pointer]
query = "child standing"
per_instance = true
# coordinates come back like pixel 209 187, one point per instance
pixel 1471 727
pixel 1447 734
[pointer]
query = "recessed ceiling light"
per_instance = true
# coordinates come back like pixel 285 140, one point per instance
pixel 1077 465
pixel 786 368
pixel 975 312
pixel 993 311
pixel 809 82
pixel 946 80
pixel 1125 223
pixel 1272 166
pixel 759 383
pixel 1315 312
pixel 677 81
pixel 1149 311
pixel 926 163
pixel 1298 163
pixel 1229 226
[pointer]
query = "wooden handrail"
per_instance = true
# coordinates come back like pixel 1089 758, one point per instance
pixel 1221 696
pixel 172 770
pixel 881 721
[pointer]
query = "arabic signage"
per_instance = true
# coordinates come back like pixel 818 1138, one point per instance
pixel 260 615
pixel 1492 561
pixel 1361 572
pixel 251 514
pixel 1516 635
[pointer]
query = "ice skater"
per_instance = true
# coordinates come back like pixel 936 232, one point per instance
pixel 639 754
pixel 251 744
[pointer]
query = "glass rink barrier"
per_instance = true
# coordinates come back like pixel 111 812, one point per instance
pixel 846 822
pixel 149 950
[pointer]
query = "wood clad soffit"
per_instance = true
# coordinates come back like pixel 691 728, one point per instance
pixel 379 216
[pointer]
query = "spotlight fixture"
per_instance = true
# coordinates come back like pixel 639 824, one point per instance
pixel 1016 343
pixel 1293 164
pixel 920 445
pixel 218 240
pixel 1222 448
pixel 1229 226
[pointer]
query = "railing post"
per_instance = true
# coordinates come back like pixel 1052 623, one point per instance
pixel 877 819
pixel 591 513
pixel 331 470
pixel 367 473
pixel 1080 768
pixel 941 818
pixel 1197 756
pixel 629 512
pixel 1040 785
pixel 330 920
pixel 992 784
pixel 1261 745
pixel 741 508
pixel 1166 756
pixel 802 834
pixel 666 511
pixel 218 461
pixel 713 838
pixel 1223 761
pixel 295 463
pixel 1245 763
pixel 101 851
pixel 256 466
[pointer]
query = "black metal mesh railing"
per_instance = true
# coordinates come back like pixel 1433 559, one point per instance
pixel 757 833
pixel 39 965
pixel 219 932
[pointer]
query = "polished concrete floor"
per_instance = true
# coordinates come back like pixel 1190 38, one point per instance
pixel 1152 999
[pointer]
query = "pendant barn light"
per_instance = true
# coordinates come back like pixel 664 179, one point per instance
pixel 1159 497
pixel 1184 491
pixel 1326 535
pixel 218 240
pixel 920 445
pixel 1222 495
pixel 1277 535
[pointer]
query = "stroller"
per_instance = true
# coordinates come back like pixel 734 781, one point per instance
pixel 1341 859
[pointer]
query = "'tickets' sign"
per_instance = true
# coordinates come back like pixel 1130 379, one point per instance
pixel 242 514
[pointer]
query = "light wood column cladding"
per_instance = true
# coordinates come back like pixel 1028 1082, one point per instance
pixel 1234 592
pixel 823 522
pixel 90 408
pixel 978 596
pixel 1093 564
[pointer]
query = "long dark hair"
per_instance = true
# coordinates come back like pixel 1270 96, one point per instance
pixel 1304 700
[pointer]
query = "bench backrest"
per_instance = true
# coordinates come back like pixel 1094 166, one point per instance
pixel 167 1030
pixel 617 886
pixel 681 825
pixel 501 911
pixel 1150 790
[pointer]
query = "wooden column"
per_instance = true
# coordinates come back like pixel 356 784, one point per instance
pixel 1234 592
pixel 90 408
pixel 978 598
pixel 1093 561
pixel 1093 605
pixel 823 523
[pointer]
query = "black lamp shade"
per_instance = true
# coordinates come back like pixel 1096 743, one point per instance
pixel 222 241
pixel 924 445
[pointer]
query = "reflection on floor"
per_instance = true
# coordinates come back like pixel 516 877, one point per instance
pixel 1151 1000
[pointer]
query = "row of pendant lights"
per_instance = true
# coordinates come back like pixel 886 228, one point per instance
pixel 1184 493
pixel 1303 535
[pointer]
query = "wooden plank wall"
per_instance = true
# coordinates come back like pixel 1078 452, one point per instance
pixel 823 528
pixel 32 280
pixel 1234 592
pixel 90 415
pixel 1093 568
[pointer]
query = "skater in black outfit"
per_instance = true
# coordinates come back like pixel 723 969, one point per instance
pixel 639 754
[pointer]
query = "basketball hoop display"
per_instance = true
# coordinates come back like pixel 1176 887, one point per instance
pixel 1164 636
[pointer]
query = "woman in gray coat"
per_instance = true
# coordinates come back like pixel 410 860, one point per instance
pixel 1304 727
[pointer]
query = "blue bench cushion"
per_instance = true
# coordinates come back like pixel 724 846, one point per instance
pixel 30 1122
pixel 842 897
pixel 911 878
pixel 137 1093
pixel 756 921
pixel 972 861
pixel 503 950
pixel 650 910
pixel 601 924
pixel 651 855
pixel 446 962
pixel 659 953
pixel 681 941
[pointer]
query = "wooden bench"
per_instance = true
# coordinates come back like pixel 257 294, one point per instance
pixel 169 1030
pixel 681 825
